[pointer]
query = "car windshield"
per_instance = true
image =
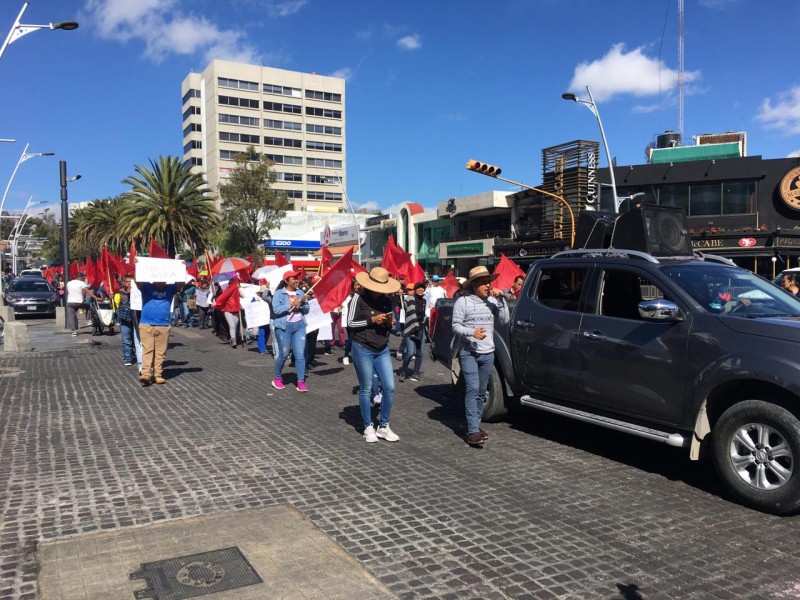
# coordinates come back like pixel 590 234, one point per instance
pixel 29 286
pixel 733 291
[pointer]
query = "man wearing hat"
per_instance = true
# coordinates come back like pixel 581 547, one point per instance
pixel 370 319
pixel 77 290
pixel 474 314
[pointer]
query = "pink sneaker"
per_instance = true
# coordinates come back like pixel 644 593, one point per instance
pixel 277 383
pixel 301 386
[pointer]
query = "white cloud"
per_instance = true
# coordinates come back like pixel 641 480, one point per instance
pixel 644 109
pixel 620 72
pixel 371 205
pixel 165 30
pixel 285 8
pixel 795 154
pixel 783 112
pixel 345 73
pixel 410 42
pixel 456 117
pixel 366 33
pixel 718 3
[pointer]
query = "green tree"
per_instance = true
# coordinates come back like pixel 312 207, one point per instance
pixel 102 223
pixel 250 207
pixel 50 229
pixel 171 204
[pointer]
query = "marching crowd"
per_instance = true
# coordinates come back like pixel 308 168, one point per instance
pixel 377 307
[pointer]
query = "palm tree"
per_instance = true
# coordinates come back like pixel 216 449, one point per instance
pixel 170 204
pixel 101 223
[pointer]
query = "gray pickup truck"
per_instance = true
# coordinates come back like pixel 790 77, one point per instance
pixel 684 351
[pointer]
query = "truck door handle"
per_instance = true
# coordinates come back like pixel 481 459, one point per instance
pixel 524 324
pixel 594 335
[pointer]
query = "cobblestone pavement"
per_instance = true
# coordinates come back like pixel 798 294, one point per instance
pixel 549 509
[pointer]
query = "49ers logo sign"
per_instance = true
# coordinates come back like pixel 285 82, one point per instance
pixel 747 242
pixel 790 188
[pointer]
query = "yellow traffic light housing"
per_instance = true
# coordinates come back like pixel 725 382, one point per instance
pixel 483 168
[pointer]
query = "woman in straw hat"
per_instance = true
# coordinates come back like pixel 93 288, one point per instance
pixel 370 319
pixel 473 323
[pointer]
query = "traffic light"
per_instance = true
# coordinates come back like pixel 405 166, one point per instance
pixel 483 168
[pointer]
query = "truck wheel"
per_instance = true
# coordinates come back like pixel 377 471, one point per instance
pixel 756 449
pixel 495 408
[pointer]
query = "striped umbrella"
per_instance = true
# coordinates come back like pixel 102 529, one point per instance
pixel 230 264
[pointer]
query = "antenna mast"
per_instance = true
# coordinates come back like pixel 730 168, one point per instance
pixel 680 68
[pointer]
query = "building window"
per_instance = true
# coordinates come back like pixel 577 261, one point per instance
pixel 293 177
pixel 239 120
pixel 237 84
pixel 324 162
pixel 193 162
pixel 192 110
pixel 287 142
pixel 676 196
pixel 243 138
pixel 290 125
pixel 281 90
pixel 285 160
pixel 705 199
pixel 192 145
pixel 323 129
pixel 295 109
pixel 189 95
pixel 326 96
pixel 190 128
pixel 329 196
pixel 738 197
pixel 323 112
pixel 325 146
pixel 231 155
pixel 293 194
pixel 234 101
pixel 320 179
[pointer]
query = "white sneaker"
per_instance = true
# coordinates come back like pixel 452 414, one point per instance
pixel 387 434
pixel 345 361
pixel 369 434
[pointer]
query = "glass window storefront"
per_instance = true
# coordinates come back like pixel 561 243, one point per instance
pixel 738 197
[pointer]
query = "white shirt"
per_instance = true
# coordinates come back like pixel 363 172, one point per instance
pixel 432 294
pixel 75 289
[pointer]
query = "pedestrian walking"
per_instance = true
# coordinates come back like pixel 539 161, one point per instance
pixel 122 302
pixel 203 299
pixel 289 307
pixel 474 314
pixel 355 288
pixel 414 304
pixel 370 316
pixel 154 328
pixel 77 292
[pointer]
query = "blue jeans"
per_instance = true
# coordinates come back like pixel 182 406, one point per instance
pixel 413 348
pixel 126 335
pixel 293 339
pixel 368 362
pixel 263 338
pixel 476 369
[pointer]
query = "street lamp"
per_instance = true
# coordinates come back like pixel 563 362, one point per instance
pixel 19 29
pixel 590 104
pixel 338 181
pixel 492 171
pixel 23 157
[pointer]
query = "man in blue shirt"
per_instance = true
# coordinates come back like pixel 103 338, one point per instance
pixel 154 328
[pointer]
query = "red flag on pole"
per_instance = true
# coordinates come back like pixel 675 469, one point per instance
pixel 357 268
pixel 280 259
pixel 450 284
pixel 229 301
pixel 108 268
pixel 388 261
pixel 157 251
pixel 326 261
pixel 334 286
pixel 93 276
pixel 417 274
pixel 507 270
pixel 301 274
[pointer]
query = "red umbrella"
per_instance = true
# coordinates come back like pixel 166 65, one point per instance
pixel 228 265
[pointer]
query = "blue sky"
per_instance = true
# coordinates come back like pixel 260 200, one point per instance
pixel 430 84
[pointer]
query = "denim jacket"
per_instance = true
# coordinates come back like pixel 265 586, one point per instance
pixel 280 308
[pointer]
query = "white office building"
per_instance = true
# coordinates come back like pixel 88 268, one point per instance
pixel 296 119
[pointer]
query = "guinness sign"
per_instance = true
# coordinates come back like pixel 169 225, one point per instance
pixel 790 188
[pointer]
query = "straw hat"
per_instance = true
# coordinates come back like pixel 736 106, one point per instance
pixel 378 280
pixel 477 273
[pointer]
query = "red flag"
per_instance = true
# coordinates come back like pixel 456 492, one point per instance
pixel 250 259
pixel 74 269
pixel 450 284
pixel 280 260
pixel 157 251
pixel 388 261
pixel 417 274
pixel 326 261
pixel 334 286
pixel 93 277
pixel 301 275
pixel 229 301
pixel 507 270
pixel 357 268
pixel 397 261
pixel 108 269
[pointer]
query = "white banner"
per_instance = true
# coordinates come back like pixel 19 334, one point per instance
pixel 315 319
pixel 325 332
pixel 256 312
pixel 276 276
pixel 168 270
pixel 136 297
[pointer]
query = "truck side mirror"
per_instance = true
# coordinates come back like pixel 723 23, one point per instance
pixel 660 309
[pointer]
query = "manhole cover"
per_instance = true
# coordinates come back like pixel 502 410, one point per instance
pixel 196 575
